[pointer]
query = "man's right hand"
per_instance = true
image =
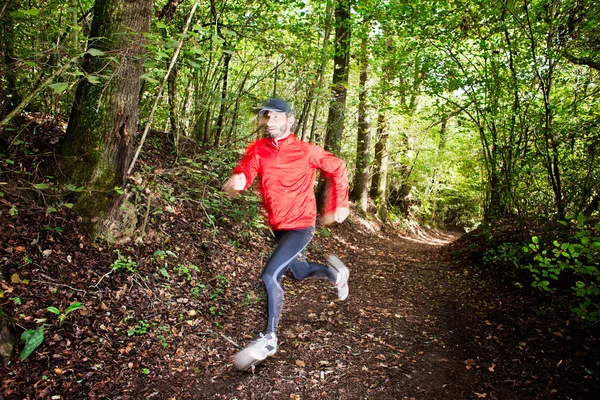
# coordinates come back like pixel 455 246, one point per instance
pixel 235 185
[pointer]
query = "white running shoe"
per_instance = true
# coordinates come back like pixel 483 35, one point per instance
pixel 343 274
pixel 256 352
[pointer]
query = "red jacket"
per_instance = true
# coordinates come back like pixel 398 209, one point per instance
pixel 287 168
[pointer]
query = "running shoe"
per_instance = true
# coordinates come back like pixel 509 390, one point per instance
pixel 257 351
pixel 343 274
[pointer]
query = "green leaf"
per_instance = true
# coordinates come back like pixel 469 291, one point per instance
pixel 51 210
pixel 161 25
pixel 59 87
pixel 74 188
pixel 163 272
pixel 119 190
pixel 33 338
pixel 148 78
pixel 32 11
pixel 93 79
pixel 68 205
pixel 95 52
pixel 40 186
pixel 194 64
pixel 53 310
pixel 74 306
pixel 535 239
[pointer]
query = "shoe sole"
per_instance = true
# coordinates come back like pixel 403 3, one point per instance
pixel 340 267
pixel 243 360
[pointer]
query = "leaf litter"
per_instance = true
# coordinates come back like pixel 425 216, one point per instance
pixel 419 323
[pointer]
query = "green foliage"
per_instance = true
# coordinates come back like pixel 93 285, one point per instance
pixel 123 263
pixel 141 328
pixel 33 338
pixel 511 253
pixel 186 271
pixel 222 282
pixel 63 315
pixel 252 298
pixel 575 258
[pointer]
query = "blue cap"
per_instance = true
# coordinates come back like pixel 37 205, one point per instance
pixel 277 105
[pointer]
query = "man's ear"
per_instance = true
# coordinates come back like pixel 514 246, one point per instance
pixel 292 123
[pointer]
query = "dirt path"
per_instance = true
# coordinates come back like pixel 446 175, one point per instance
pixel 414 326
pixel 395 337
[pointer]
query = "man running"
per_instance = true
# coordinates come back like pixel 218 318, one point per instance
pixel 287 167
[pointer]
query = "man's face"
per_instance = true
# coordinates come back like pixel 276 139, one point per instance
pixel 276 124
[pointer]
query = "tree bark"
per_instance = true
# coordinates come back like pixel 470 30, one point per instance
pixel 173 106
pixel 379 182
pixel 102 128
pixel 9 68
pixel 223 106
pixel 360 189
pixel 320 75
pixel 339 85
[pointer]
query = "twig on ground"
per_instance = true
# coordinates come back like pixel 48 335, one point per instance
pixel 60 284
pixel 231 341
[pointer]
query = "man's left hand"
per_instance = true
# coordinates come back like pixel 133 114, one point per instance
pixel 340 214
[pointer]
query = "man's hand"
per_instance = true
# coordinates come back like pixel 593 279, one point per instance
pixel 340 214
pixel 235 185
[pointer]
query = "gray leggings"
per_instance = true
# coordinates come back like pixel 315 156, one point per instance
pixel 289 254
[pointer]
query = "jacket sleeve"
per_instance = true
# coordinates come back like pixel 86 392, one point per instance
pixel 336 174
pixel 248 164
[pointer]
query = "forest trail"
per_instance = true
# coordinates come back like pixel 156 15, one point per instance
pixel 415 326
pixel 402 333
pixel 391 339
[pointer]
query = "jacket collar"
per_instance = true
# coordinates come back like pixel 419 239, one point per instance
pixel 288 139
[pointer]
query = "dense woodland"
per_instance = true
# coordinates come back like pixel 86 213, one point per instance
pixel 462 114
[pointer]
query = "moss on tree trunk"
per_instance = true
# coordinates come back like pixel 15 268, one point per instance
pixel 98 145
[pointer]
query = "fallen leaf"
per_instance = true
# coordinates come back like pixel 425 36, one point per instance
pixel 491 367
pixel 481 395
pixel 469 364
pixel 300 363
pixel 14 278
pixel 20 249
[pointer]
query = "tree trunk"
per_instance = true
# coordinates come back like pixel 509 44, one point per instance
pixel 320 75
pixel 9 69
pixel 339 85
pixel 379 183
pixel 222 108
pixel 236 108
pixel 173 106
pixel 360 190
pixel 102 128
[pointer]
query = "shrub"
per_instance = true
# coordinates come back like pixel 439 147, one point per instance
pixel 577 256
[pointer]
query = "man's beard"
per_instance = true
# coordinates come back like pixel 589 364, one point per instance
pixel 276 134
